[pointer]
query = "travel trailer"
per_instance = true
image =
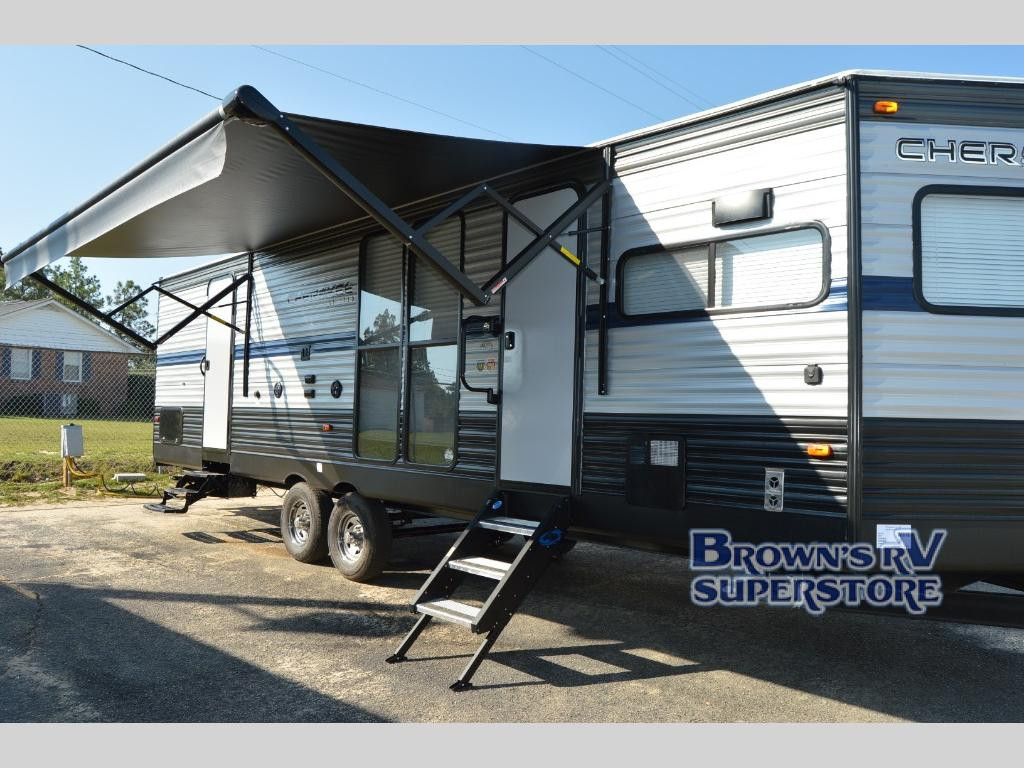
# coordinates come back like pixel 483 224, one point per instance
pixel 799 317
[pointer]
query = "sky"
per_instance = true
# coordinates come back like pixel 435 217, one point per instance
pixel 72 121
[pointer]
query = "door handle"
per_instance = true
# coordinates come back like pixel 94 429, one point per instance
pixel 204 365
pixel 510 339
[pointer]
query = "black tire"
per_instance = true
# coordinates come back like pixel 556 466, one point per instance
pixel 304 516
pixel 359 537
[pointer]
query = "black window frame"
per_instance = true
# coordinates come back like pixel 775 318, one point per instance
pixel 966 190
pixel 409 266
pixel 710 310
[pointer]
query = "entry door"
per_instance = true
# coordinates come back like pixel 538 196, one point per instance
pixel 539 354
pixel 217 370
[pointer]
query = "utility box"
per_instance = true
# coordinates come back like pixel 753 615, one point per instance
pixel 71 442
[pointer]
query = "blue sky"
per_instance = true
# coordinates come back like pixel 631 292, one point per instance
pixel 73 121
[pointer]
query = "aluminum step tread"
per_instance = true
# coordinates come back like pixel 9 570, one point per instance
pixel 481 566
pixel 509 525
pixel 163 508
pixel 450 610
pixel 178 492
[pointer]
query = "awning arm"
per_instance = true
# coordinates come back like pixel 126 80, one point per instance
pixel 203 309
pixel 546 238
pixel 94 311
pixel 247 103
pixel 196 312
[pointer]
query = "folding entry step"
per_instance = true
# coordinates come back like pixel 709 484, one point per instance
pixel 196 484
pixel 544 541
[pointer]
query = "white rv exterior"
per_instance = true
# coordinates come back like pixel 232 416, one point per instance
pixel 687 389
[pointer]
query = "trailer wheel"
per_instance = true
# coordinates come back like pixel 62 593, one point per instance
pixel 359 537
pixel 304 515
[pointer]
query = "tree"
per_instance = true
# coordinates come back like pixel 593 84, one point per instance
pixel 74 278
pixel 135 314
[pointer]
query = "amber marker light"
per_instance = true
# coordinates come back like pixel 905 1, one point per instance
pixel 887 107
pixel 820 450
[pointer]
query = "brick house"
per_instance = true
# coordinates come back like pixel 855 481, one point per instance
pixel 56 363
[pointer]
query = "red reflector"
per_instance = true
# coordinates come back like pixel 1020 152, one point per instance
pixel 326 428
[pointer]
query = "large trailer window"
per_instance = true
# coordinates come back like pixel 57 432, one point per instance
pixel 408 352
pixel 969 249
pixel 380 337
pixel 433 353
pixel 768 270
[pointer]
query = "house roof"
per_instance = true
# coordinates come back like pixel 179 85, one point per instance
pixel 10 307
pixel 89 336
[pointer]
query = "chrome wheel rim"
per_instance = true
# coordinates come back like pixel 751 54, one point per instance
pixel 351 538
pixel 300 519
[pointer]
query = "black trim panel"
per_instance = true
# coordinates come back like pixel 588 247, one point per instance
pixel 943 102
pixel 725 457
pixel 966 475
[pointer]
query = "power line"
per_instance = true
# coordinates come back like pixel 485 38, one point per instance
pixel 381 91
pixel 661 74
pixel 148 72
pixel 591 82
pixel 615 55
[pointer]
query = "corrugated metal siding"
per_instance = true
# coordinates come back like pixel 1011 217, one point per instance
pixel 741 365
pixel 298 434
pixel 922 365
pixel 483 255
pixel 744 363
pixel 306 299
pixel 726 458
pixel 292 432
pixel 916 363
pixel 477 443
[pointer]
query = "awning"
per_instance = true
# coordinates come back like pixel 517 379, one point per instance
pixel 248 176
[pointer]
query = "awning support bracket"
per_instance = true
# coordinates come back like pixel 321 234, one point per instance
pixel 546 238
pixel 99 314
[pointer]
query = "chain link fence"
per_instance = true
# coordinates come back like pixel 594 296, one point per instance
pixel 57 367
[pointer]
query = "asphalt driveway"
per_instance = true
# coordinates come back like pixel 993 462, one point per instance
pixel 110 613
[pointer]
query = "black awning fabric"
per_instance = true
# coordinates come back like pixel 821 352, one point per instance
pixel 239 186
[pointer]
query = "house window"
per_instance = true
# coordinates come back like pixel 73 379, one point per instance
pixel 970 250
pixel 72 369
pixel 21 363
pixel 767 270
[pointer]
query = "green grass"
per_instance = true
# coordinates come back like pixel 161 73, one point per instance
pixel 30 459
